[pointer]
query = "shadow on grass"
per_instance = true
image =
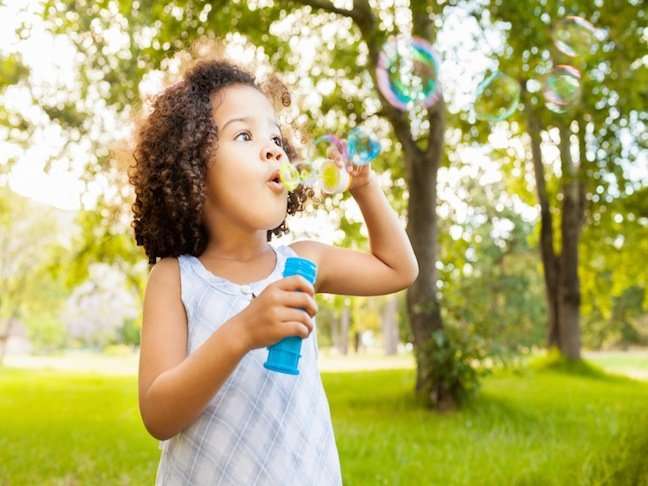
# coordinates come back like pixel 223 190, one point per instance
pixel 553 361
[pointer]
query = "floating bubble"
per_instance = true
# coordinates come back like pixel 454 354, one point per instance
pixel 327 147
pixel 292 175
pixel 361 147
pixel 562 88
pixel 574 36
pixel 334 179
pixel 289 175
pixel 408 73
pixel 307 173
pixel 497 97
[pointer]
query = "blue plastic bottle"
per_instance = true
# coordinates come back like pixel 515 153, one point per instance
pixel 284 355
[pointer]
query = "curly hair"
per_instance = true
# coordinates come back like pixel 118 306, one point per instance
pixel 173 146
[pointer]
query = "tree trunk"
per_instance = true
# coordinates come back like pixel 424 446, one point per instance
pixel 356 341
pixel 422 165
pixel 562 287
pixel 549 259
pixel 422 300
pixel 390 326
pixel 569 284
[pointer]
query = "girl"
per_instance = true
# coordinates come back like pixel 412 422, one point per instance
pixel 207 204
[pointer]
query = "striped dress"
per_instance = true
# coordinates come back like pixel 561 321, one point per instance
pixel 261 427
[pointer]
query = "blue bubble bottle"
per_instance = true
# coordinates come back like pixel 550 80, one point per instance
pixel 284 355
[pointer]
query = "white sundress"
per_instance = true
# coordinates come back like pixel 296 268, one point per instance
pixel 261 427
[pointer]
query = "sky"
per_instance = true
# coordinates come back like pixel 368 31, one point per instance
pixel 48 58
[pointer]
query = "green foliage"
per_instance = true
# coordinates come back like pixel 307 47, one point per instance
pixel 27 233
pixel 626 325
pixel 454 362
pixel 12 70
pixel 492 279
pixel 614 285
pixel 129 333
pixel 46 333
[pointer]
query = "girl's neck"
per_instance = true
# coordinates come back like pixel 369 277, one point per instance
pixel 238 252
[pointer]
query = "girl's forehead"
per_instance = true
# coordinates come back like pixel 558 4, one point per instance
pixel 240 101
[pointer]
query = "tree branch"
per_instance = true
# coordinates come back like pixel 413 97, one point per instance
pixel 327 6
pixel 421 21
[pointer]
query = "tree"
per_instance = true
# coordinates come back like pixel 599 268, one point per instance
pixel 595 130
pixel 153 33
pixel 26 233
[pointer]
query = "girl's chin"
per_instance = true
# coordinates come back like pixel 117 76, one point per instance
pixel 275 221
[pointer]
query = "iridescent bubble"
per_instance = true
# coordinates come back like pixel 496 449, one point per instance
pixel 497 97
pixel 562 88
pixel 327 147
pixel 574 36
pixel 307 173
pixel 289 175
pixel 292 175
pixel 408 73
pixel 334 179
pixel 321 169
pixel 361 147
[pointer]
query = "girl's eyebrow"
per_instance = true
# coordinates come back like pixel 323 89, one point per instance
pixel 248 119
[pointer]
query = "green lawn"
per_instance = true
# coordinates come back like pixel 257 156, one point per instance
pixel 544 425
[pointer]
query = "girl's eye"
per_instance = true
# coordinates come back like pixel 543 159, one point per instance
pixel 247 134
pixel 278 141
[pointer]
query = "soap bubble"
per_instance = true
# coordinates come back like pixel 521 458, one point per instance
pixel 361 147
pixel 292 175
pixel 307 173
pixel 497 97
pixel 289 175
pixel 574 36
pixel 334 179
pixel 327 147
pixel 408 73
pixel 321 169
pixel 562 88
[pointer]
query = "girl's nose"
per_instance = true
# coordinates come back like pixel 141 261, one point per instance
pixel 272 152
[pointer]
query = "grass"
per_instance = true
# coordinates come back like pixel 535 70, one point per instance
pixel 550 423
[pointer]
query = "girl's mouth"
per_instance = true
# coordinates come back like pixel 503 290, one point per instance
pixel 275 183
pixel 276 186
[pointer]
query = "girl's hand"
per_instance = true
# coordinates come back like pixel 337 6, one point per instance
pixel 277 313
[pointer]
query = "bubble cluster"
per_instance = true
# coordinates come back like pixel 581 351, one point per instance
pixel 319 168
pixel 497 97
pixel 562 88
pixel 408 73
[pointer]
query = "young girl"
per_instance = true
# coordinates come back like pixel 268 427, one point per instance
pixel 207 204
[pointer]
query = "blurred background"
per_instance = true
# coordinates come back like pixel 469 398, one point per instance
pixel 530 327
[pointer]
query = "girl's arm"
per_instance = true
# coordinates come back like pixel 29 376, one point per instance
pixel 391 266
pixel 175 388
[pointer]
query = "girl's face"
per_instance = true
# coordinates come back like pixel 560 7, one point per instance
pixel 248 153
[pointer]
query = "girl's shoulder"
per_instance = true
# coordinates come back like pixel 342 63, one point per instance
pixel 165 271
pixel 306 249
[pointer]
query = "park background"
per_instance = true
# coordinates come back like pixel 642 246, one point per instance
pixel 519 356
